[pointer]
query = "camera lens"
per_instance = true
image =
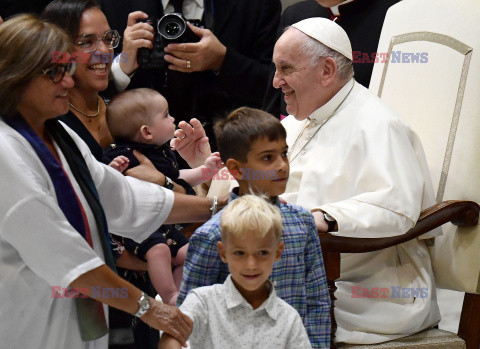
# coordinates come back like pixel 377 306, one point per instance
pixel 171 26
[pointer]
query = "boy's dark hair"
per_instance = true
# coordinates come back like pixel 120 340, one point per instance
pixel 241 128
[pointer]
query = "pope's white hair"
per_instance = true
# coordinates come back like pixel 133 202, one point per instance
pixel 318 51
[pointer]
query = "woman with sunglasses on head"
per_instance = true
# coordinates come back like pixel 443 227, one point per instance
pixel 55 259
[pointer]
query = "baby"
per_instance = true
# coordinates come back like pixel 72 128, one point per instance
pixel 139 120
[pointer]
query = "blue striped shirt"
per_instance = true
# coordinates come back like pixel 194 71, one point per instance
pixel 299 277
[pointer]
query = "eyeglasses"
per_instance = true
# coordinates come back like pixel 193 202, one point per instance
pixel 58 72
pixel 89 42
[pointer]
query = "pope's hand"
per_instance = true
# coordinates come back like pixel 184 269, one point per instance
pixel 191 143
pixel 322 226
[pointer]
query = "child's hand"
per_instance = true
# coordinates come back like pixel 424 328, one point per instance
pixel 120 163
pixel 214 162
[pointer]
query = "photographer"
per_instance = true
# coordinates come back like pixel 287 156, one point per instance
pixel 227 68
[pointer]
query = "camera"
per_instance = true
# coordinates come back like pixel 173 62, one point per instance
pixel 171 28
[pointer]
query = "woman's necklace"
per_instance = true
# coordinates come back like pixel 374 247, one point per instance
pixel 87 115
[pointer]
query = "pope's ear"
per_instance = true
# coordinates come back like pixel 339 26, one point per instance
pixel 235 168
pixel 328 71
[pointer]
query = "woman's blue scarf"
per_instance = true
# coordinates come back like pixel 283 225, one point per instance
pixel 89 311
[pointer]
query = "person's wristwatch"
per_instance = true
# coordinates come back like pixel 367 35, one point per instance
pixel 331 222
pixel 144 305
pixel 168 183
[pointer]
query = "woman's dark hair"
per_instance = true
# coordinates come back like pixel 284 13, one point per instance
pixel 67 14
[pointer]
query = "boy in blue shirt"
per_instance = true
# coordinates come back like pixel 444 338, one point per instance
pixel 252 144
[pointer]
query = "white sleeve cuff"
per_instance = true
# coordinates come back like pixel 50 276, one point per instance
pixel 120 79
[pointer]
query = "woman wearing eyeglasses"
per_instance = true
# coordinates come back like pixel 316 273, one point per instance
pixel 93 44
pixel 56 199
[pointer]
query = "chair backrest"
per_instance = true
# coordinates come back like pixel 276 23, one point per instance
pixel 432 78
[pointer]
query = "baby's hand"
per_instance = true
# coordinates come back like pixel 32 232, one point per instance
pixel 120 163
pixel 214 162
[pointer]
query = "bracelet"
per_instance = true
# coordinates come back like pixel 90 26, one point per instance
pixel 213 205
pixel 143 305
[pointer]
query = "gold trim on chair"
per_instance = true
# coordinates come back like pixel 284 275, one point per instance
pixel 462 49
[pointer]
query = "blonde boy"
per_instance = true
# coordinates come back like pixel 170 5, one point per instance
pixel 244 311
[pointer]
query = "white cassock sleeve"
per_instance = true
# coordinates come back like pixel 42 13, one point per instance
pixel 387 185
pixel 365 167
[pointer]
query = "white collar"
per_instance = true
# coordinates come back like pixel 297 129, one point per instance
pixel 233 298
pixel 335 10
pixel 325 111
pixel 199 3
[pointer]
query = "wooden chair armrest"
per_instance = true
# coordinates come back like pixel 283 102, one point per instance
pixel 461 213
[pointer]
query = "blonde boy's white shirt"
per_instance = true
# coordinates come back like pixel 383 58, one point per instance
pixel 366 168
pixel 222 318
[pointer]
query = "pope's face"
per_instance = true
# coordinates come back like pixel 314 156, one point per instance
pixel 299 81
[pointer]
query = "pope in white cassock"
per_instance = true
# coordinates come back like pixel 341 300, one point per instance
pixel 361 170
